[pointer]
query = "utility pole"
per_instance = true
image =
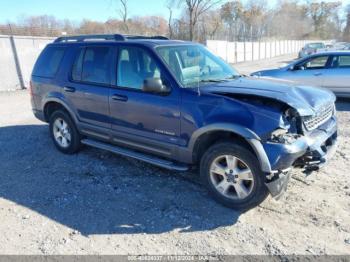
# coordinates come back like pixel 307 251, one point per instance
pixel 15 58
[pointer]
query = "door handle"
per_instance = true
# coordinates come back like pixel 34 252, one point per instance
pixel 69 89
pixel 317 74
pixel 119 98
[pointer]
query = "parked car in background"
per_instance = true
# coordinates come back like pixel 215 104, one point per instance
pixel 337 46
pixel 176 105
pixel 327 69
pixel 346 46
pixel 311 48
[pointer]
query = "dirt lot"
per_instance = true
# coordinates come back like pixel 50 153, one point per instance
pixel 99 203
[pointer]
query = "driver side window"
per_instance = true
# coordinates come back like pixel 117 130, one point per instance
pixel 134 66
pixel 318 62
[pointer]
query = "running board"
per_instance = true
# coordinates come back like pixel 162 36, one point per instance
pixel 133 154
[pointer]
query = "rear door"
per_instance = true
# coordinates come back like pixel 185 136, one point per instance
pixel 338 75
pixel 310 71
pixel 87 87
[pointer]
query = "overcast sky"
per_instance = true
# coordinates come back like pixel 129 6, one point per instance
pixel 99 10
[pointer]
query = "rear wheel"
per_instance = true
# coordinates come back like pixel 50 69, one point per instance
pixel 233 176
pixel 64 133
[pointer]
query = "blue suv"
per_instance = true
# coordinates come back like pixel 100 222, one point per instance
pixel 176 105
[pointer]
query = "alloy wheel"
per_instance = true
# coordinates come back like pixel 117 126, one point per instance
pixel 231 177
pixel 61 132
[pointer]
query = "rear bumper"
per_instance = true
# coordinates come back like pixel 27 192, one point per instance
pixel 39 115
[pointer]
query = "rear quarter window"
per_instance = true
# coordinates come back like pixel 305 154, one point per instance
pixel 92 65
pixel 344 61
pixel 48 62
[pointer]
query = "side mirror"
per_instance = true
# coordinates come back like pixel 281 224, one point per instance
pixel 296 67
pixel 155 85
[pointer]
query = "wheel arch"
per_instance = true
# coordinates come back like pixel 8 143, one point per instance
pixel 205 137
pixel 52 104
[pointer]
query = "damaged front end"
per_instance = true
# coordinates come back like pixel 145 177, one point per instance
pixel 277 182
pixel 290 139
pixel 308 143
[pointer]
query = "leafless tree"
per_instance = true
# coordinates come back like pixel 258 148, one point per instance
pixel 320 14
pixel 234 20
pixel 195 9
pixel 210 24
pixel 346 34
pixel 169 6
pixel 123 11
pixel 231 15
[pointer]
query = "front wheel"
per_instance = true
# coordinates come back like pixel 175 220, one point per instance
pixel 232 175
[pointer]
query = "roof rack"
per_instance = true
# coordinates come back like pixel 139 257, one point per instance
pixel 114 37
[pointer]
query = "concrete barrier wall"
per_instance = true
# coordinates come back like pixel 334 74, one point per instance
pixel 235 52
pixel 17 58
pixel 8 74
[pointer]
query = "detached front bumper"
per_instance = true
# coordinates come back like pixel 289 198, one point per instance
pixel 309 152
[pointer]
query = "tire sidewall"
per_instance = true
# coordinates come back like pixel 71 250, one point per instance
pixel 259 191
pixel 75 137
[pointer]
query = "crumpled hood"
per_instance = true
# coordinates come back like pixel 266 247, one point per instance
pixel 305 99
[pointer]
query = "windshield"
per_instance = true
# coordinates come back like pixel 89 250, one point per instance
pixel 316 45
pixel 194 65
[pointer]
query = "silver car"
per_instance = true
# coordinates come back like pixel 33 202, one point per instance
pixel 310 49
pixel 328 69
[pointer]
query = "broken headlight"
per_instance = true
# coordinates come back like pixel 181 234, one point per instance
pixel 287 132
pixel 282 136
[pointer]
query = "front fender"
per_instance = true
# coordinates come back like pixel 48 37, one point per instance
pixel 247 134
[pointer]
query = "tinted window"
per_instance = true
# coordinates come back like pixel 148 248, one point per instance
pixel 92 64
pixel 78 66
pixel 134 66
pixel 48 62
pixel 341 61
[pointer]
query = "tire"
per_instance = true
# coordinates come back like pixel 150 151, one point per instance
pixel 61 125
pixel 239 184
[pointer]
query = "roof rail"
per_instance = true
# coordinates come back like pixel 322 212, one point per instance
pixel 114 37
pixel 140 37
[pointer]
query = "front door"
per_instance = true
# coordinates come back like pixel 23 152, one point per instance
pixel 311 71
pixel 144 121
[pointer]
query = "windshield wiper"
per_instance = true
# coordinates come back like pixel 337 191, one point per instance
pixel 234 77
pixel 211 80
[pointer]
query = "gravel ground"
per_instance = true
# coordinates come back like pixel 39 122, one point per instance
pixel 99 203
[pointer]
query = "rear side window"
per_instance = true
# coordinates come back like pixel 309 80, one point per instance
pixel 78 66
pixel 92 65
pixel 344 61
pixel 48 62
pixel 341 61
